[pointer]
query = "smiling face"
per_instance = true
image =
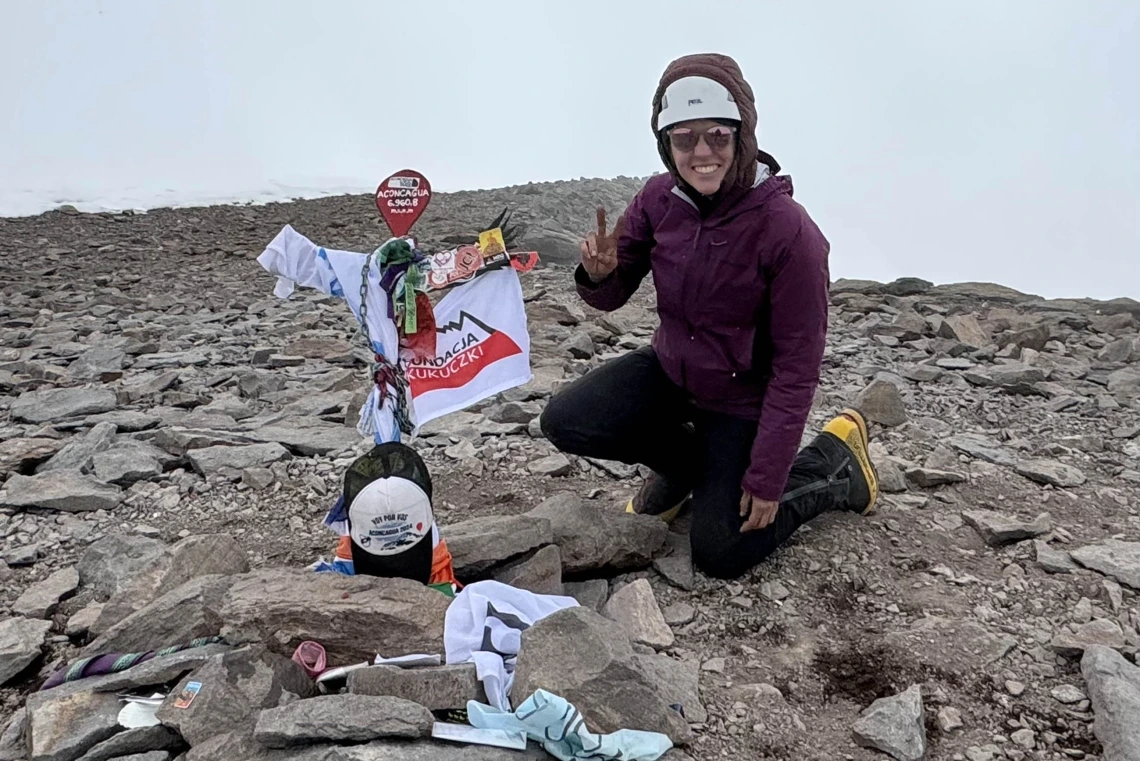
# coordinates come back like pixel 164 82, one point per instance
pixel 705 164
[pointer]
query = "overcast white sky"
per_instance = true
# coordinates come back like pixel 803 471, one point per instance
pixel 947 139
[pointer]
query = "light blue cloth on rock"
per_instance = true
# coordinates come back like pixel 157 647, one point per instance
pixel 556 724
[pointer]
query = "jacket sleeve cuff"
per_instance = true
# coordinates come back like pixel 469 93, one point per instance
pixel 763 487
pixel 583 280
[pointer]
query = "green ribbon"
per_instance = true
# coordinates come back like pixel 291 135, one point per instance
pixel 414 280
pixel 409 308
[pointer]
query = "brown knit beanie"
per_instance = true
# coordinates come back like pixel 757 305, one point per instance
pixel 726 71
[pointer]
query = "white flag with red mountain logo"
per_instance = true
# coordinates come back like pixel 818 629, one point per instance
pixel 482 347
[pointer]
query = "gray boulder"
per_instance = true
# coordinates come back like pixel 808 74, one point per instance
pixel 130 461
pixel 21 642
pixel 540 573
pixel 42 598
pixel 1051 473
pixel 882 403
pixel 985 449
pixel 134 743
pixel 1101 632
pixel 60 403
pixel 185 613
pixel 111 564
pixel 14 740
pixel 894 725
pixel 588 660
pixel 354 617
pixel 479 544
pixel 342 718
pixel 676 567
pixel 96 362
pixel 234 688
pixel 1112 557
pixel 210 460
pixel 591 538
pixel 1114 689
pixel 1053 560
pixel 437 688
pixel 179 440
pixel 308 436
pixel 188 559
pixel 63 490
pixel 998 529
pixel 21 453
pixel 678 682
pixel 592 593
pixel 63 725
pixel 77 453
pixel 157 671
pixel 634 608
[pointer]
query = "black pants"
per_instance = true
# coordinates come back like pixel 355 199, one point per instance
pixel 629 411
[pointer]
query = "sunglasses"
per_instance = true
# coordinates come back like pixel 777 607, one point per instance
pixel 717 138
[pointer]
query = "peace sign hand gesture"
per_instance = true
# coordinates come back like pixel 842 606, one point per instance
pixel 599 250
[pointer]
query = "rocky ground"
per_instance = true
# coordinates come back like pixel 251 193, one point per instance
pixel 171 436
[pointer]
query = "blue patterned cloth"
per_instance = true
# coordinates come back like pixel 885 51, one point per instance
pixel 557 725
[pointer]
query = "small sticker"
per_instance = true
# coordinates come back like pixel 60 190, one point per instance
pixel 189 692
pixel 491 243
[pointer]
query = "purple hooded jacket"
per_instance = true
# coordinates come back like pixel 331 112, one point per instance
pixel 742 296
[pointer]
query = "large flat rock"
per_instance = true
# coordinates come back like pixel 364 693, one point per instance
pixel 999 528
pixel 64 490
pixel 77 454
pixel 1112 557
pixel 342 719
pixel 591 538
pixel 308 436
pixel 210 460
pixel 136 743
pixel 60 403
pixel 438 688
pixel 356 618
pixel 480 544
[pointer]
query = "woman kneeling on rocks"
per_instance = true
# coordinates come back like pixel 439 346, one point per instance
pixel 717 405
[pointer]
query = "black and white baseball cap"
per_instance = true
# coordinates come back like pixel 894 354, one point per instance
pixel 390 520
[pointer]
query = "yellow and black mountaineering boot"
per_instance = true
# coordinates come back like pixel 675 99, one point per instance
pixel 659 497
pixel 850 427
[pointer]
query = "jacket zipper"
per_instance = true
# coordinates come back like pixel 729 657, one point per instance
pixel 685 280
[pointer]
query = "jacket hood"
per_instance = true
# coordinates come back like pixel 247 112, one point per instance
pixel 725 70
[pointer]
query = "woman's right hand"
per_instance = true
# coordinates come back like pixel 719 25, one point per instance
pixel 599 250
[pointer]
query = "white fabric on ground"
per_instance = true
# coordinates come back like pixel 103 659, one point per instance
pixel 484 625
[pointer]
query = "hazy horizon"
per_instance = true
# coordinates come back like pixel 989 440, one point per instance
pixel 974 141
